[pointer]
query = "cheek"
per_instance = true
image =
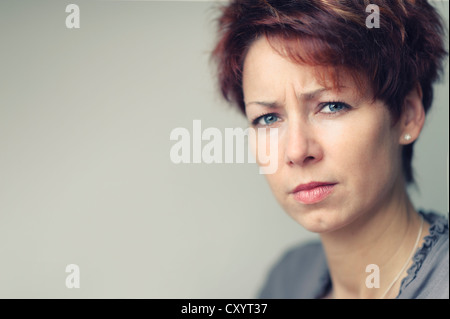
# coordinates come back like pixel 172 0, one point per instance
pixel 267 147
pixel 368 150
pixel 264 144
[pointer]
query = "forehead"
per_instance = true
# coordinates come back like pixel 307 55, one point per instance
pixel 267 69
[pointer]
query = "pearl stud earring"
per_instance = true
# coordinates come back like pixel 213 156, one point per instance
pixel 407 137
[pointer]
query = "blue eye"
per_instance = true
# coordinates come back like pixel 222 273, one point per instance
pixel 334 107
pixel 265 120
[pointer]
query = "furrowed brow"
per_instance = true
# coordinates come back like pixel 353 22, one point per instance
pixel 306 96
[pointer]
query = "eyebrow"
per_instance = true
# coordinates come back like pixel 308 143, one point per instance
pixel 306 96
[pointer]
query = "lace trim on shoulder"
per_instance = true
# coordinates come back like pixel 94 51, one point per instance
pixel 438 226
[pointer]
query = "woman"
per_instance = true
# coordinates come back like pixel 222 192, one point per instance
pixel 348 90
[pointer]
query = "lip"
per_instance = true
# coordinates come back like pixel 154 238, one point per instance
pixel 313 192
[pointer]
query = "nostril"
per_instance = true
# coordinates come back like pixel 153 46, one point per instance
pixel 309 159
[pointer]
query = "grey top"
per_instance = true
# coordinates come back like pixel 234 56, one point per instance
pixel 302 272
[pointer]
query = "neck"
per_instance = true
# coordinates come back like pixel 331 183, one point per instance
pixel 384 237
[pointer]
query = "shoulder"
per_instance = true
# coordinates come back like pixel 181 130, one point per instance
pixel 301 272
pixel 429 275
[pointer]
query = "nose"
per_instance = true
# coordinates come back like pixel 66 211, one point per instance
pixel 301 145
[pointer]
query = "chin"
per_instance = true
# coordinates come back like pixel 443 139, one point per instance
pixel 319 221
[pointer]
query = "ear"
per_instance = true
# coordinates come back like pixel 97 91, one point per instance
pixel 413 116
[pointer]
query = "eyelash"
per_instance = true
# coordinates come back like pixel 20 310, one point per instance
pixel 345 106
pixel 259 118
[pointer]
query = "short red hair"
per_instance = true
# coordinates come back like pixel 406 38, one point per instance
pixel 407 49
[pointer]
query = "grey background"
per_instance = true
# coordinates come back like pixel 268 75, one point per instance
pixel 85 173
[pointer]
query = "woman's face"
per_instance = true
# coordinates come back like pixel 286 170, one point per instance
pixel 338 152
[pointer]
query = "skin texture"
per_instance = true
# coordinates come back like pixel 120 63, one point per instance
pixel 368 218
